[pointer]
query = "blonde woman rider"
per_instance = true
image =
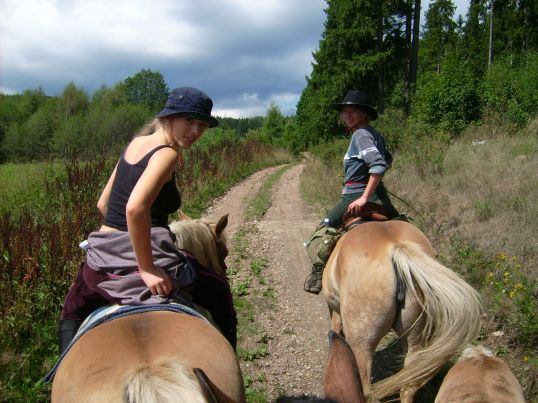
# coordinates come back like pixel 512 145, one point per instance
pixel 132 259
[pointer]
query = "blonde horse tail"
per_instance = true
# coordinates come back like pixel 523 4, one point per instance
pixel 163 382
pixel 451 317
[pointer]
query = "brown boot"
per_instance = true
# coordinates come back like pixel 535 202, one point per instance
pixel 313 281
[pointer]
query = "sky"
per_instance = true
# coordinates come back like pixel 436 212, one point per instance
pixel 244 54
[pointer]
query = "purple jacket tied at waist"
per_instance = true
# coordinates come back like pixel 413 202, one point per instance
pixel 110 275
pixel 111 256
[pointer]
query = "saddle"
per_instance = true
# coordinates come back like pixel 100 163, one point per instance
pixel 370 212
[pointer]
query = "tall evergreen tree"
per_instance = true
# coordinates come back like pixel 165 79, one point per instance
pixel 439 34
pixel 475 36
pixel 357 50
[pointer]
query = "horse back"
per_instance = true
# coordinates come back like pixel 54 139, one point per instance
pixel 480 377
pixel 103 361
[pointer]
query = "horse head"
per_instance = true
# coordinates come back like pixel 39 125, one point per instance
pixel 342 381
pixel 204 240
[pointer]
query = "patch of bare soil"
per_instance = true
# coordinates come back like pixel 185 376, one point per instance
pixel 294 323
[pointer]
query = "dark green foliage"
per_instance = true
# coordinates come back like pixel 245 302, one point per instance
pixel 15 110
pixel 449 100
pixel 364 46
pixel 73 100
pixel 514 26
pixel 273 125
pixel 439 34
pixel 242 125
pixel 474 44
pixel 31 139
pixel 347 58
pixel 510 88
pixel 146 88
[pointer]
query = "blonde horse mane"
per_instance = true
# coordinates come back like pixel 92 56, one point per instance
pixel 475 352
pixel 163 382
pixel 451 312
pixel 197 237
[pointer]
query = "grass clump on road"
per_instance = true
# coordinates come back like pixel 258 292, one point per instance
pixel 250 301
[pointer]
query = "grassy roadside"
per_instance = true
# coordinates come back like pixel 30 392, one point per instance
pixel 475 199
pixel 39 252
pixel 251 291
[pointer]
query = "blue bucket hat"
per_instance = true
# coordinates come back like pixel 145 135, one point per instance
pixel 191 102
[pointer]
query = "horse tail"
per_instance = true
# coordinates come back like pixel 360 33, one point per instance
pixel 451 316
pixel 163 382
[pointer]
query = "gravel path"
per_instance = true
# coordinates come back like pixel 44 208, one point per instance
pixel 294 324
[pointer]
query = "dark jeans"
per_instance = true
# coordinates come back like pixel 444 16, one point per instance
pixel 81 300
pixel 379 197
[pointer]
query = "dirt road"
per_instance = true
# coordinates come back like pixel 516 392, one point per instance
pixel 283 342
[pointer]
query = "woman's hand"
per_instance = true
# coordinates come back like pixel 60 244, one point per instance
pixel 356 206
pixel 157 281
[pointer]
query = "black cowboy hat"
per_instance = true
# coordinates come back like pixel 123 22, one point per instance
pixel 358 99
pixel 191 102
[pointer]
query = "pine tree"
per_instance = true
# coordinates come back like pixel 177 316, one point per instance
pixel 357 50
pixel 439 34
pixel 475 37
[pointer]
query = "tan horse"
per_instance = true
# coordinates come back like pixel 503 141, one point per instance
pixel 479 376
pixel 440 316
pixel 156 356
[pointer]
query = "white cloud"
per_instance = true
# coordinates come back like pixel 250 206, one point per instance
pixel 7 91
pixel 40 34
pixel 231 49
pixel 250 104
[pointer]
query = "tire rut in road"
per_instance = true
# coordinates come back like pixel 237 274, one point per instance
pixel 284 344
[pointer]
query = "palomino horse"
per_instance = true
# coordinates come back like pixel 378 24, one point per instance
pixel 370 266
pixel 479 376
pixel 156 356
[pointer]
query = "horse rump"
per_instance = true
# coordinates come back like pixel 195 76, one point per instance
pixel 450 317
pixel 480 376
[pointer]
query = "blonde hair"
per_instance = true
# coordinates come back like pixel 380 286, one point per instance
pixel 153 126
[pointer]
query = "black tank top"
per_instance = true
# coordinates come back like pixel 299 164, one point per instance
pixel 127 175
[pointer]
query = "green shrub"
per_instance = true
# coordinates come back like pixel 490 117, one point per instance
pixel 510 88
pixel 448 100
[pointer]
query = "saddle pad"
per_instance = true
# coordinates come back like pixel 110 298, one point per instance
pixel 111 312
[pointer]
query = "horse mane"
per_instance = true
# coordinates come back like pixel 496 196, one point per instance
pixel 197 237
pixel 478 351
pixel 163 381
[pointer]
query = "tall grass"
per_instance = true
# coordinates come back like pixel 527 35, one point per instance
pixel 39 252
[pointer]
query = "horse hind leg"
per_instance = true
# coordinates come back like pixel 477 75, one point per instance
pixel 365 324
pixel 336 322
pixel 409 325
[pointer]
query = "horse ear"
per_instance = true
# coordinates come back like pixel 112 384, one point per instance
pixel 182 216
pixel 212 394
pixel 223 222
pixel 342 381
